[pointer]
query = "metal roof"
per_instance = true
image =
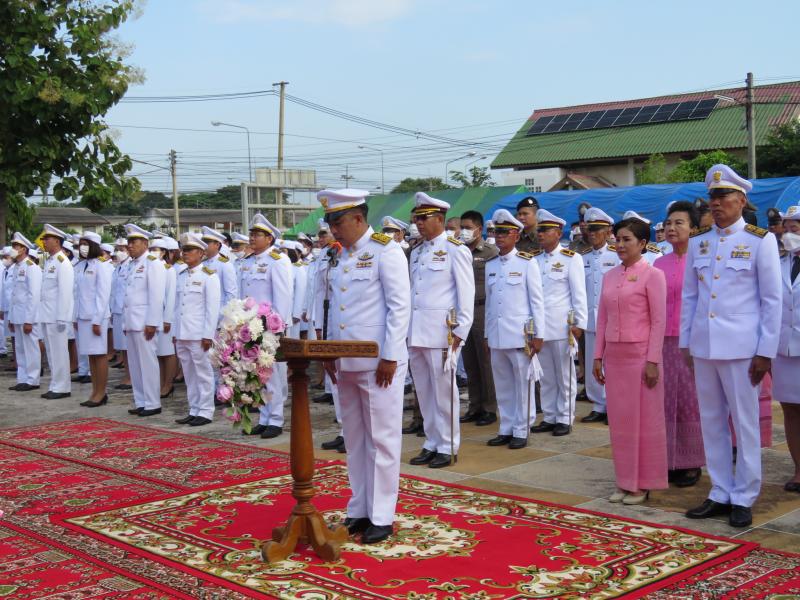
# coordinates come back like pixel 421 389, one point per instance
pixel 58 216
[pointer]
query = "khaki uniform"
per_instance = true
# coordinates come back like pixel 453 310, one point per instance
pixel 528 242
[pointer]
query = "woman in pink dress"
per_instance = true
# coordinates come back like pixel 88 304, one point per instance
pixel 631 320
pixel 685 453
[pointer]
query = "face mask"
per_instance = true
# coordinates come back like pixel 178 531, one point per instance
pixel 490 240
pixel 238 254
pixel 14 253
pixel 83 250
pixel 451 232
pixel 791 242
pixel 156 252
pixel 7 262
pixel 121 255
pixel 316 251
pixel 467 236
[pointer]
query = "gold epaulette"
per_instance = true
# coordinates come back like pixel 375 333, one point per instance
pixel 299 263
pixel 612 247
pixel 537 252
pixel 179 261
pixel 29 262
pixel 755 230
pixel 586 250
pixel 525 255
pixel 223 259
pixel 653 248
pixel 151 257
pixel 208 271
pixel 102 259
pixel 700 231
pixel 167 265
pixel 567 252
pixel 275 255
pixel 453 240
pixel 381 238
pixel 60 257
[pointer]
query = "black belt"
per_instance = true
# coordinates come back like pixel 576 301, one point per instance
pixel 480 302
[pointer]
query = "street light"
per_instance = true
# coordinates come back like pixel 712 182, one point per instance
pixel 447 164
pixel 249 159
pixel 472 162
pixel 375 150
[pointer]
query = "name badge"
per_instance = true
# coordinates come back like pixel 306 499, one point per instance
pixel 364 265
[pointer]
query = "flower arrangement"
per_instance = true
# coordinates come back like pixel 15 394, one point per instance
pixel 244 351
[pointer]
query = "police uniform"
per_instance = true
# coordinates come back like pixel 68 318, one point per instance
pixel 564 299
pixel 144 307
pixel 528 240
pixel 55 316
pixel 93 301
pixel 222 266
pixel 267 277
pixel 731 311
pixel 369 298
pixel 119 282
pixel 596 263
pixel 514 297
pixel 197 309
pixel 23 308
pixel 786 366
pixel 441 279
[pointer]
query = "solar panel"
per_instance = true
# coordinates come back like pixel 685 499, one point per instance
pixel 619 117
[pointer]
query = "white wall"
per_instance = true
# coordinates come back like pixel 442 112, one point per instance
pixel 536 180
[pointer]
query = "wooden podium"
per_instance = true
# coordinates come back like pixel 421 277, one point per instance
pixel 305 524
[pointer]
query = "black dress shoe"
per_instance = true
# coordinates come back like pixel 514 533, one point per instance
pixel 594 417
pixel 486 419
pixel 517 443
pixel 135 411
pixel 376 533
pixel 582 397
pixel 561 429
pixel 469 417
pixel 357 525
pixel 82 379
pixel 424 457
pixel 169 393
pixel 199 422
pixel 687 477
pixel 149 412
pixel 184 420
pixel 707 509
pixel 14 387
pixel 26 387
pixel 342 449
pixel 257 430
pixel 741 516
pixel 123 386
pixel 255 410
pixel 334 443
pixel 323 399
pixel 93 404
pixel 500 440
pixel 407 389
pixel 219 403
pixel 413 427
pixel 441 460
pixel 543 427
pixel 791 486
pixel 56 395
pixel 271 431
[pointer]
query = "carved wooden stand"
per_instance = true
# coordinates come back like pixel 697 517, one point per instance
pixel 305 524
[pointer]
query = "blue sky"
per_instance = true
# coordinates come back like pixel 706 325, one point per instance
pixel 462 69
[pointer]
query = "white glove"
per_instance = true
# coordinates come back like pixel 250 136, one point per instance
pixel 61 326
pixel 451 362
pixel 535 370
pixel 573 349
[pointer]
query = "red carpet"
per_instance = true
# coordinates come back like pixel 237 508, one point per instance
pixel 88 514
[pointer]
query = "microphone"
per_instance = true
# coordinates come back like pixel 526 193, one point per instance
pixel 333 253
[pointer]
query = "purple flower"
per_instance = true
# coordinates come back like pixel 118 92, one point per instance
pixel 264 309
pixel 249 303
pixel 264 373
pixel 224 393
pixel 250 354
pixel 244 334
pixel 235 417
pixel 275 323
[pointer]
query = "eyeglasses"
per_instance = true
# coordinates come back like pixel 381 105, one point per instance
pixel 189 248
pixel 545 229
pixel 418 218
pixel 502 232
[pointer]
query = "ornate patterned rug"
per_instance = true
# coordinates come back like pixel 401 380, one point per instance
pixel 86 517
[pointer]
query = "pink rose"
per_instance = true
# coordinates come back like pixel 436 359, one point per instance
pixel 249 303
pixel 237 347
pixel 264 374
pixel 264 309
pixel 225 370
pixel 244 334
pixel 224 393
pixel 275 323
pixel 250 354
pixel 235 417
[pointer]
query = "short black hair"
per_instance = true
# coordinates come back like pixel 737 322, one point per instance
pixel 474 216
pixel 750 217
pixel 687 207
pixel 293 254
pixel 94 249
pixel 228 237
pixel 639 229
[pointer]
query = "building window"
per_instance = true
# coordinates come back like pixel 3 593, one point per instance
pixel 530 185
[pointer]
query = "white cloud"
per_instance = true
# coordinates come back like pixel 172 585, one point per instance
pixel 350 13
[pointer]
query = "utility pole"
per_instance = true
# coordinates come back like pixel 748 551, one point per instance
pixel 751 129
pixel 174 172
pixel 347 177
pixel 279 191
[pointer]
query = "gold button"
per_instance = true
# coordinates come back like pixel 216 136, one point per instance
pixel 700 277
pixel 347 269
pixel 341 307
pixel 716 276
pixel 719 257
pixel 713 295
pixel 727 231
pixel 341 326
pixel 721 239
pixel 711 315
pixel 344 289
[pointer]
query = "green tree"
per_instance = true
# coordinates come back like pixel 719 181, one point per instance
pixel 695 169
pixel 424 184
pixel 654 170
pixel 478 177
pixel 780 156
pixel 60 72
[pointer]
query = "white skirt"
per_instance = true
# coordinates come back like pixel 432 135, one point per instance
pixel 164 345
pixel 89 343
pixel 120 342
pixel 785 382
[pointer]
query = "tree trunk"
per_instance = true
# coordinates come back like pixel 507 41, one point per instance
pixel 3 215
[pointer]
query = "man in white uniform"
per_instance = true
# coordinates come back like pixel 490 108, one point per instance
pixel 144 316
pixel 369 292
pixel 196 315
pixel 441 282
pixel 598 259
pixel 266 276
pixel 22 315
pixel 119 282
pixel 565 314
pixel 514 306
pixel 220 264
pixel 55 312
pixel 730 328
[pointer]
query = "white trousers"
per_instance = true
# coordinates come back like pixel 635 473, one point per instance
pixel 199 377
pixel 723 390
pixel 118 336
pixel 271 412
pixel 435 390
pixel 514 391
pixel 333 389
pixel 29 357
pixel 595 390
pixel 143 366
pixel 55 344
pixel 372 418
pixel 558 384
pixel 83 360
pixel 3 334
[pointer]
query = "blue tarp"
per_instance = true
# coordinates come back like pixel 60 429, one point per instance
pixel 651 201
